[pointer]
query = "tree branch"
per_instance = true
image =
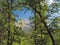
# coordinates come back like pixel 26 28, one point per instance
pixel 48 30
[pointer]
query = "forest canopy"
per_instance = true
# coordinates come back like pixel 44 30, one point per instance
pixel 29 22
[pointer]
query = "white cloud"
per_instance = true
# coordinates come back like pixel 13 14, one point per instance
pixel 50 1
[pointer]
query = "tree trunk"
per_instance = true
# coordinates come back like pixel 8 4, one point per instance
pixel 48 30
pixel 8 22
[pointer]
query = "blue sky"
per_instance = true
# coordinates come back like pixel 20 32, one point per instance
pixel 24 14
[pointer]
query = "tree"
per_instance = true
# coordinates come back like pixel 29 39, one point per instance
pixel 8 22
pixel 41 17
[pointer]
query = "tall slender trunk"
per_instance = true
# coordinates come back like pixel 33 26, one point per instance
pixel 41 18
pixel 48 30
pixel 9 7
pixel 8 22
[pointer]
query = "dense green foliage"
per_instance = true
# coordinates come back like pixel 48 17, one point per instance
pixel 44 31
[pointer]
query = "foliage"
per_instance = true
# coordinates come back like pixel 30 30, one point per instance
pixel 10 34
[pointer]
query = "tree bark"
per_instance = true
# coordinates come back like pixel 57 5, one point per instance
pixel 48 30
pixel 8 22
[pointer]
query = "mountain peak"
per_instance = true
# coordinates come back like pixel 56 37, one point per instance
pixel 24 24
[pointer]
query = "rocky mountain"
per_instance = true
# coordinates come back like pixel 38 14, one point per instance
pixel 25 25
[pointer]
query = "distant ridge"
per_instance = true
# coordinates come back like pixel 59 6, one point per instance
pixel 25 25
